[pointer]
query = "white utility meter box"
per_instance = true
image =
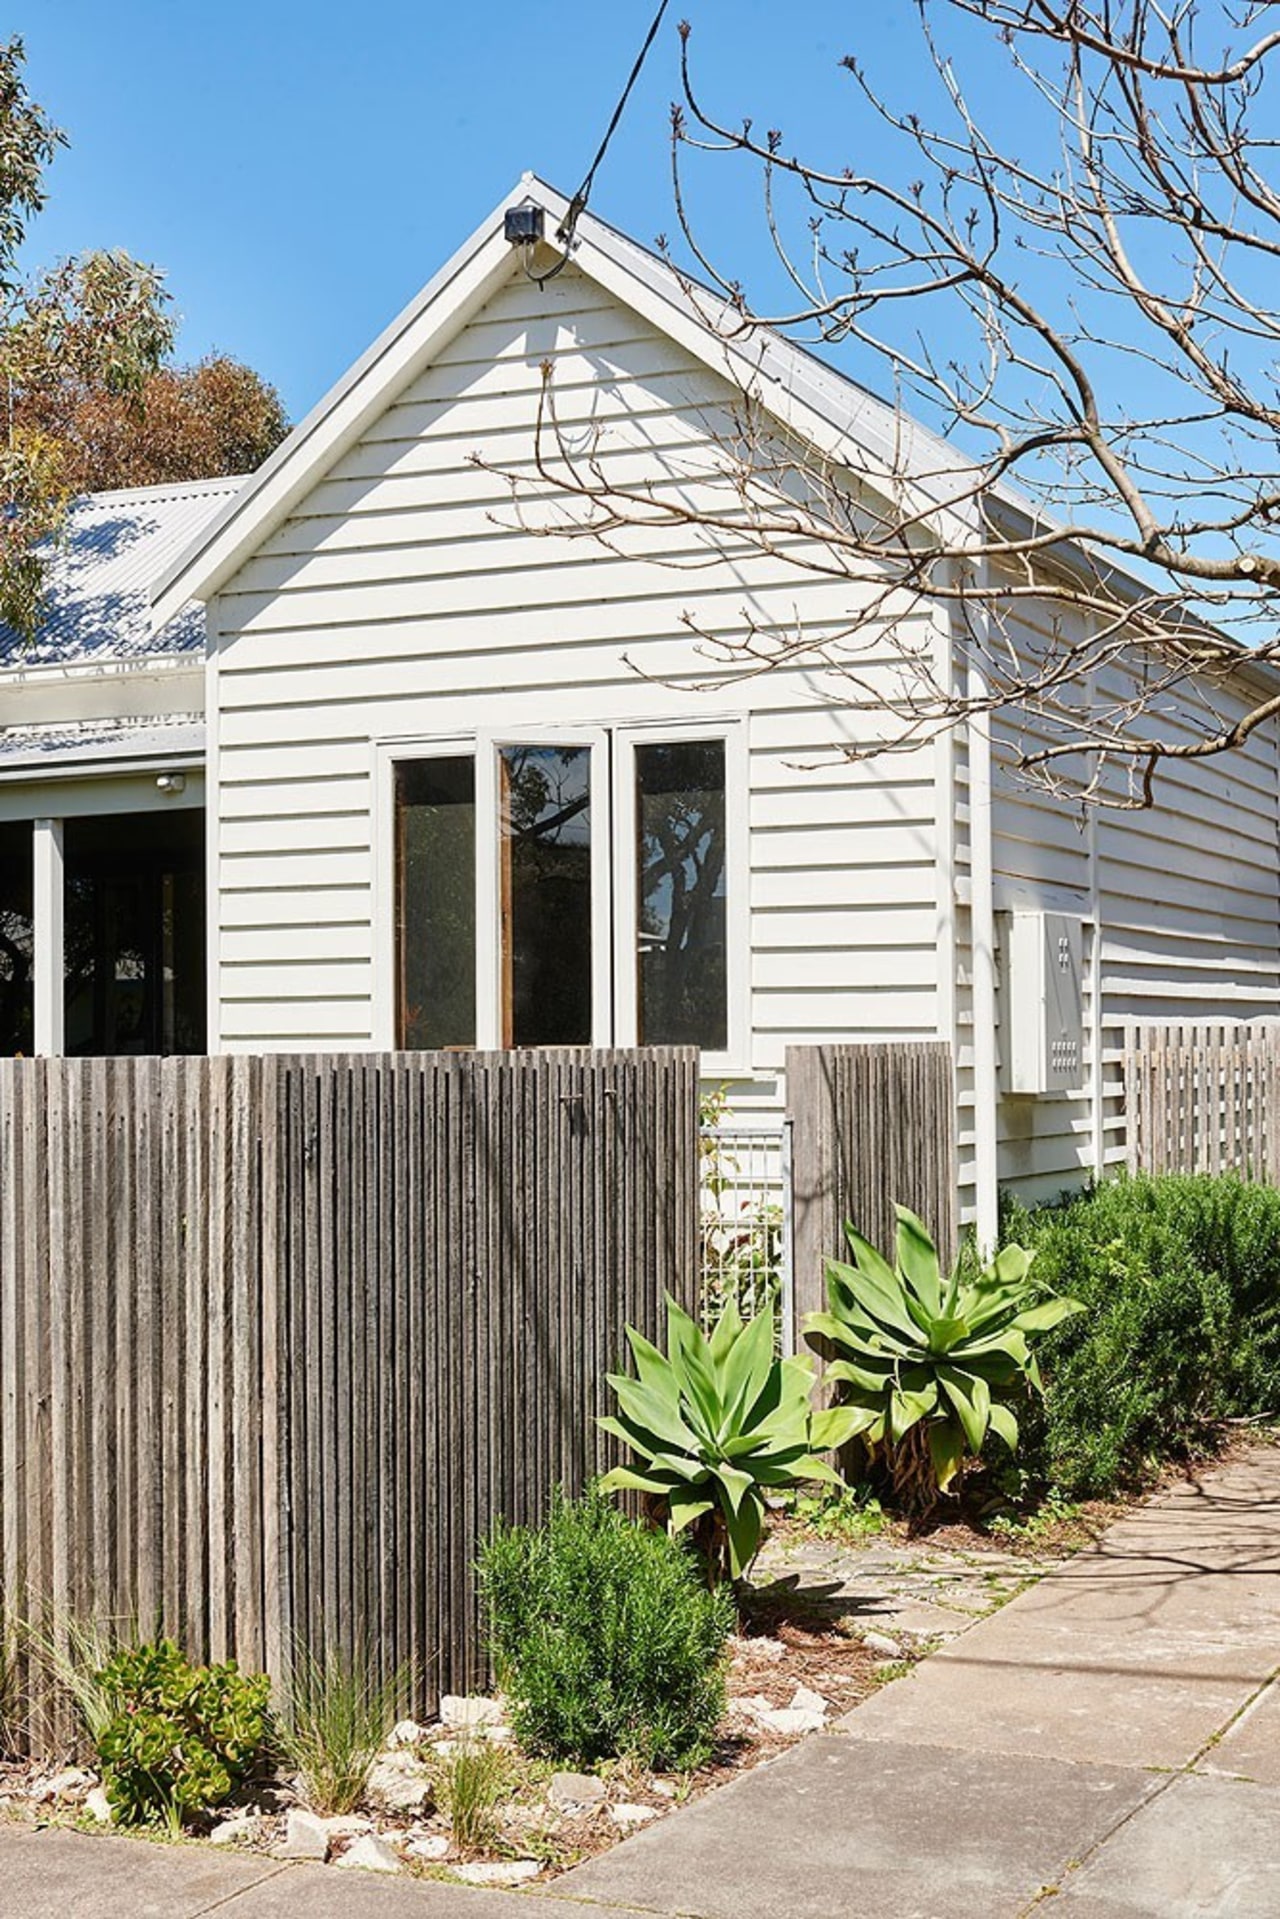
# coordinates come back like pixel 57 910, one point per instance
pixel 1045 1003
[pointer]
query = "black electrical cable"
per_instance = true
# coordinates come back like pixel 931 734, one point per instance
pixel 565 231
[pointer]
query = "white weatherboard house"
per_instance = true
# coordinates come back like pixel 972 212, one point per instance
pixel 461 786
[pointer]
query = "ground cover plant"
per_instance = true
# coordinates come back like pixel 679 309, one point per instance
pixel 607 1642
pixel 716 1424
pixel 1180 1279
pixel 927 1365
pixel 180 1737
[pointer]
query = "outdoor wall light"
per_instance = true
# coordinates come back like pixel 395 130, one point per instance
pixel 171 783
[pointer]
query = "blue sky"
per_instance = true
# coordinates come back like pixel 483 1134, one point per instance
pixel 301 169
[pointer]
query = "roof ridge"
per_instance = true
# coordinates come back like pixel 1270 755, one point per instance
pixel 166 489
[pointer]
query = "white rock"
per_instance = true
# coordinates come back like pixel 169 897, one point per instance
pixel 71 1784
pixel 790 1720
pixel 663 1788
pixel 406 1732
pixel 370 1854
pixel 98 1806
pixel 467 1714
pixel 880 1642
pixel 305 1837
pixel 399 1783
pixel 345 1825
pixel 432 1845
pixel 631 1817
pixel 804 1699
pixel 243 1828
pixel 499 1872
pixel 575 1791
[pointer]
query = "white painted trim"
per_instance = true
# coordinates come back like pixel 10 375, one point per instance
pixel 944 807
pixel 212 843
pixel 986 1091
pixel 49 974
pixel 384 757
pixel 1097 1118
pixel 612 872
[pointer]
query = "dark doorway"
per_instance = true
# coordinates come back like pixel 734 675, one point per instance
pixel 134 921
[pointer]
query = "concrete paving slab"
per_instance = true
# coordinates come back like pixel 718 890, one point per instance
pixel 1202 1847
pixel 885 1831
pixel 1017 1702
pixel 1250 1747
pixel 49 1874
pixel 53 1874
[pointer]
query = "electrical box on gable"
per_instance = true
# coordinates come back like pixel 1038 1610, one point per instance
pixel 1045 1003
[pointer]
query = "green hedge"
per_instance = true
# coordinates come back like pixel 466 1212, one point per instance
pixel 1180 1277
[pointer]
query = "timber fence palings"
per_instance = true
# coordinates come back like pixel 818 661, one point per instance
pixel 1203 1098
pixel 874 1124
pixel 281 1337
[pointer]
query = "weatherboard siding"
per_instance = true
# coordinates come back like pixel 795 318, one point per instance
pixel 403 599
pixel 1181 900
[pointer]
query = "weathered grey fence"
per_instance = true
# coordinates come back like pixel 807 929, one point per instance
pixel 873 1124
pixel 1203 1098
pixel 280 1338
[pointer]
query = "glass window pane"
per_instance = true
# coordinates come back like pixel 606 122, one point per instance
pixel 17 947
pixel 546 895
pixel 134 933
pixel 681 923
pixel 436 902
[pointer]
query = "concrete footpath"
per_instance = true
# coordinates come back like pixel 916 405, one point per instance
pixel 1107 1746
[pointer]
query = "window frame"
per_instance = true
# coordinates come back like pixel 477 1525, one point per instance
pixel 732 1060
pixel 615 901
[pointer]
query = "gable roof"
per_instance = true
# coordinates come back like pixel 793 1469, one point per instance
pixel 102 570
pixel 840 419
pixel 820 405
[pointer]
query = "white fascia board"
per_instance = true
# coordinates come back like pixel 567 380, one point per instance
pixel 103 764
pixel 150 666
pixel 396 357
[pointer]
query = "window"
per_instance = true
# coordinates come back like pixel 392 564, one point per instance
pixel 17 940
pixel 436 902
pixel 574 889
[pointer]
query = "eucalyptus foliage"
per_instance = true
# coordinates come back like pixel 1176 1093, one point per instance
pixel 715 1424
pixel 916 1352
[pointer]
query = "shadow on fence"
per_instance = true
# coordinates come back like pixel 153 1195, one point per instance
pixel 281 1337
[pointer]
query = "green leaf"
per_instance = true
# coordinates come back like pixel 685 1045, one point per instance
pixel 1048 1314
pixel 744 1528
pixel 878 1288
pixel 686 1507
pixel 726 1331
pixel 905 1411
pixel 1004 1425
pixel 746 1371
pixel 946 1450
pixel 694 1367
pixel 971 1397
pixel 623 1479
pixel 918 1260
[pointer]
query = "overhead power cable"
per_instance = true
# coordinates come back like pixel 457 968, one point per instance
pixel 565 230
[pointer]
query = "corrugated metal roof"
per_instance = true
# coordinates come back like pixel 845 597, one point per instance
pixel 53 747
pixel 115 546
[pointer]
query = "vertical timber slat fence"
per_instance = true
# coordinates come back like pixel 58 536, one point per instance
pixel 873 1124
pixel 1203 1098
pixel 281 1337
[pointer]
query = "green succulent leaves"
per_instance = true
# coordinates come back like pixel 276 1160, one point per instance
pixel 715 1422
pixel 907 1345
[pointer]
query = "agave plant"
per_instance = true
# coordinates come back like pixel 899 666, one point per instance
pixel 928 1365
pixel 717 1424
